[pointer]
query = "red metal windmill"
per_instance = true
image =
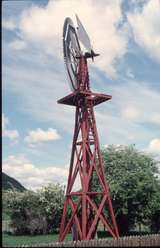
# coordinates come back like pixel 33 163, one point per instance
pixel 85 208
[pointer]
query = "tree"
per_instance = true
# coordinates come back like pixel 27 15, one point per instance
pixel 134 185
pixel 35 212
pixel 51 199
pixel 155 214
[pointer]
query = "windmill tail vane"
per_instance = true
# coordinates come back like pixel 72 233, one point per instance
pixel 84 208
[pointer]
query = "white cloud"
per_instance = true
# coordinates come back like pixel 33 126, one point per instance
pixel 129 116
pixel 129 73
pixel 145 24
pixel 41 87
pixel 133 102
pixel 11 134
pixel 131 113
pixel 154 146
pixel 32 176
pixel 17 44
pixel 8 24
pixel 43 26
pixel 40 135
pixel 4 121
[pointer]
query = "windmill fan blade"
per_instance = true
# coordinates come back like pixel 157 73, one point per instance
pixel 83 36
pixel 71 50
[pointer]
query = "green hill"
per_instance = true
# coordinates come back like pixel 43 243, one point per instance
pixel 11 183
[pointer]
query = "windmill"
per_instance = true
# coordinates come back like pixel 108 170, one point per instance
pixel 85 208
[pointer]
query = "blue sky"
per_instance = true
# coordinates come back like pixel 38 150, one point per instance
pixel 37 132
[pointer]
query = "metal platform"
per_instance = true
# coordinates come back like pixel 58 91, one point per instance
pixel 73 98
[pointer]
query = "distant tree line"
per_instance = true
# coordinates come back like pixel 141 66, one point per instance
pixel 134 182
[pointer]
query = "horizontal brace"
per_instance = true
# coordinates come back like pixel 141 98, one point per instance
pixel 87 193
pixel 87 142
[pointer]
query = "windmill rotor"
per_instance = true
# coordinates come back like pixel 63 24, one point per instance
pixel 72 50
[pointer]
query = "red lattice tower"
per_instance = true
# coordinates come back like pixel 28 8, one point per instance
pixel 84 209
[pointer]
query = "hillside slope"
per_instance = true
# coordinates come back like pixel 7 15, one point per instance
pixel 11 183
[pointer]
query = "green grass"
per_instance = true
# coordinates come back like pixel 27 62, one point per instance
pixel 13 240
pixel 6 215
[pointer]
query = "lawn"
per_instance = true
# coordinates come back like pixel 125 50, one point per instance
pixel 14 240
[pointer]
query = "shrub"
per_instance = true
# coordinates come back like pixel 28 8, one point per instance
pixel 35 212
